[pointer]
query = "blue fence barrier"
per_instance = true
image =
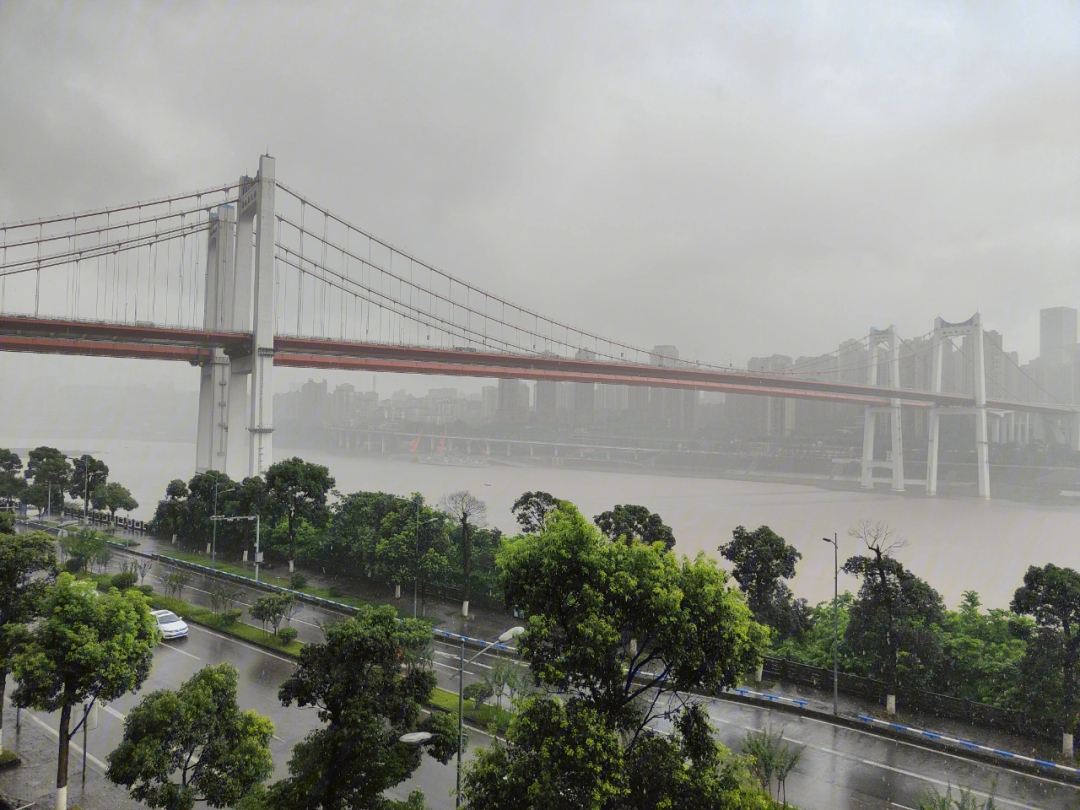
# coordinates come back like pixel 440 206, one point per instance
pixel 971 746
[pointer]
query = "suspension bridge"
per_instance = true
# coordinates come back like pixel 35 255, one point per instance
pixel 244 277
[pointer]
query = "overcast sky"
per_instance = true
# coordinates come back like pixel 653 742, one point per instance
pixel 736 179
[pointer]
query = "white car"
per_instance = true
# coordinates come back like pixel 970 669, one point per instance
pixel 170 625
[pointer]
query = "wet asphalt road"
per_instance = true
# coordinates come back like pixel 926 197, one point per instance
pixel 840 769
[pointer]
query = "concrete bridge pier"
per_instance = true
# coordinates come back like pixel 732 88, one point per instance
pixel 236 392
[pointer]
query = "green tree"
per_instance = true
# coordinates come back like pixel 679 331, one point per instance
pixel 352 760
pixel 271 609
pixel 86 647
pixel 982 652
pixel 894 625
pixel 532 509
pixel 621 630
pixel 50 471
pixel 113 496
pixel 471 513
pixel 814 645
pixel 23 560
pixel 761 561
pixel 82 548
pixel 170 515
pixel 87 474
pixel 635 522
pixel 1051 595
pixel 199 734
pixel 356 527
pixel 296 490
pixel 12 484
pixel 597 608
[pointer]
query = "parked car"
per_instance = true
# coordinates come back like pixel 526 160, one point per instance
pixel 170 625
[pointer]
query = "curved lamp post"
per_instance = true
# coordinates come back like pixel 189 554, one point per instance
pixel 836 618
pixel 513 632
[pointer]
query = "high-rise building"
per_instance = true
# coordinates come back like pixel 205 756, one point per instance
pixel 513 401
pixel 1057 334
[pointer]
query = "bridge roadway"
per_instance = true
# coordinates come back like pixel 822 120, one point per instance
pixel 150 342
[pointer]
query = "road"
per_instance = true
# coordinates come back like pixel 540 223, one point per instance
pixel 841 768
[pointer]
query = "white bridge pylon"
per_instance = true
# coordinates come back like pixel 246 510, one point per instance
pixel 235 429
pixel 881 341
pixel 971 328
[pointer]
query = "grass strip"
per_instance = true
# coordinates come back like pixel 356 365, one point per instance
pixel 243 630
pixel 267 578
pixel 483 715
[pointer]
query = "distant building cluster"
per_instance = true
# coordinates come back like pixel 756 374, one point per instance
pixel 509 405
pixel 568 405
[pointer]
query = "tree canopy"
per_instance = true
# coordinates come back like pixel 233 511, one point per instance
pixel 629 520
pixel 86 647
pixel 615 629
pixel 87 474
pixel 296 491
pixel 356 682
pixel 27 568
pixel 199 734
pixel 895 621
pixel 761 561
pixel 1051 595
pixel 532 509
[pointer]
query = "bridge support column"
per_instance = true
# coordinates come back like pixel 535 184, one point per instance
pixel 879 340
pixel 869 427
pixel 261 424
pixel 211 443
pixel 943 331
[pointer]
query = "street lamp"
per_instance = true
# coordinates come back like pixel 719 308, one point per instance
pixel 256 518
pixel 416 555
pixel 416 737
pixel 836 618
pixel 214 518
pixel 513 632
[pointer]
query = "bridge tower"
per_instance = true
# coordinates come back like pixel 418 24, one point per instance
pixel 882 341
pixel 943 331
pixel 237 392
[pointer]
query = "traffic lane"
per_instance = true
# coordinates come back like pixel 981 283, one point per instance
pixel 849 769
pixel 260 675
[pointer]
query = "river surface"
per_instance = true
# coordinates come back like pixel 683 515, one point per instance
pixel 956 544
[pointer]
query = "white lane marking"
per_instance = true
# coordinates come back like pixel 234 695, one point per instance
pixel 174 649
pixel 114 712
pixel 235 640
pixel 72 745
pixel 906 743
pixel 276 737
pixel 882 765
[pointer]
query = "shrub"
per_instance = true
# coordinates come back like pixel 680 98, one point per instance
pixel 146 590
pixel 231 616
pixel 286 635
pixel 297 581
pixel 104 582
pixel 74 565
pixel 125 580
pixel 478 693
pixel 334 591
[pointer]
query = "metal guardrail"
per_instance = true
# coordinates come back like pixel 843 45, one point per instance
pixel 972 746
pixel 802 704
pixel 300 595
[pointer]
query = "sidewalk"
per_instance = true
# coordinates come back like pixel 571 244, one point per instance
pixel 485 623
pixel 33 783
